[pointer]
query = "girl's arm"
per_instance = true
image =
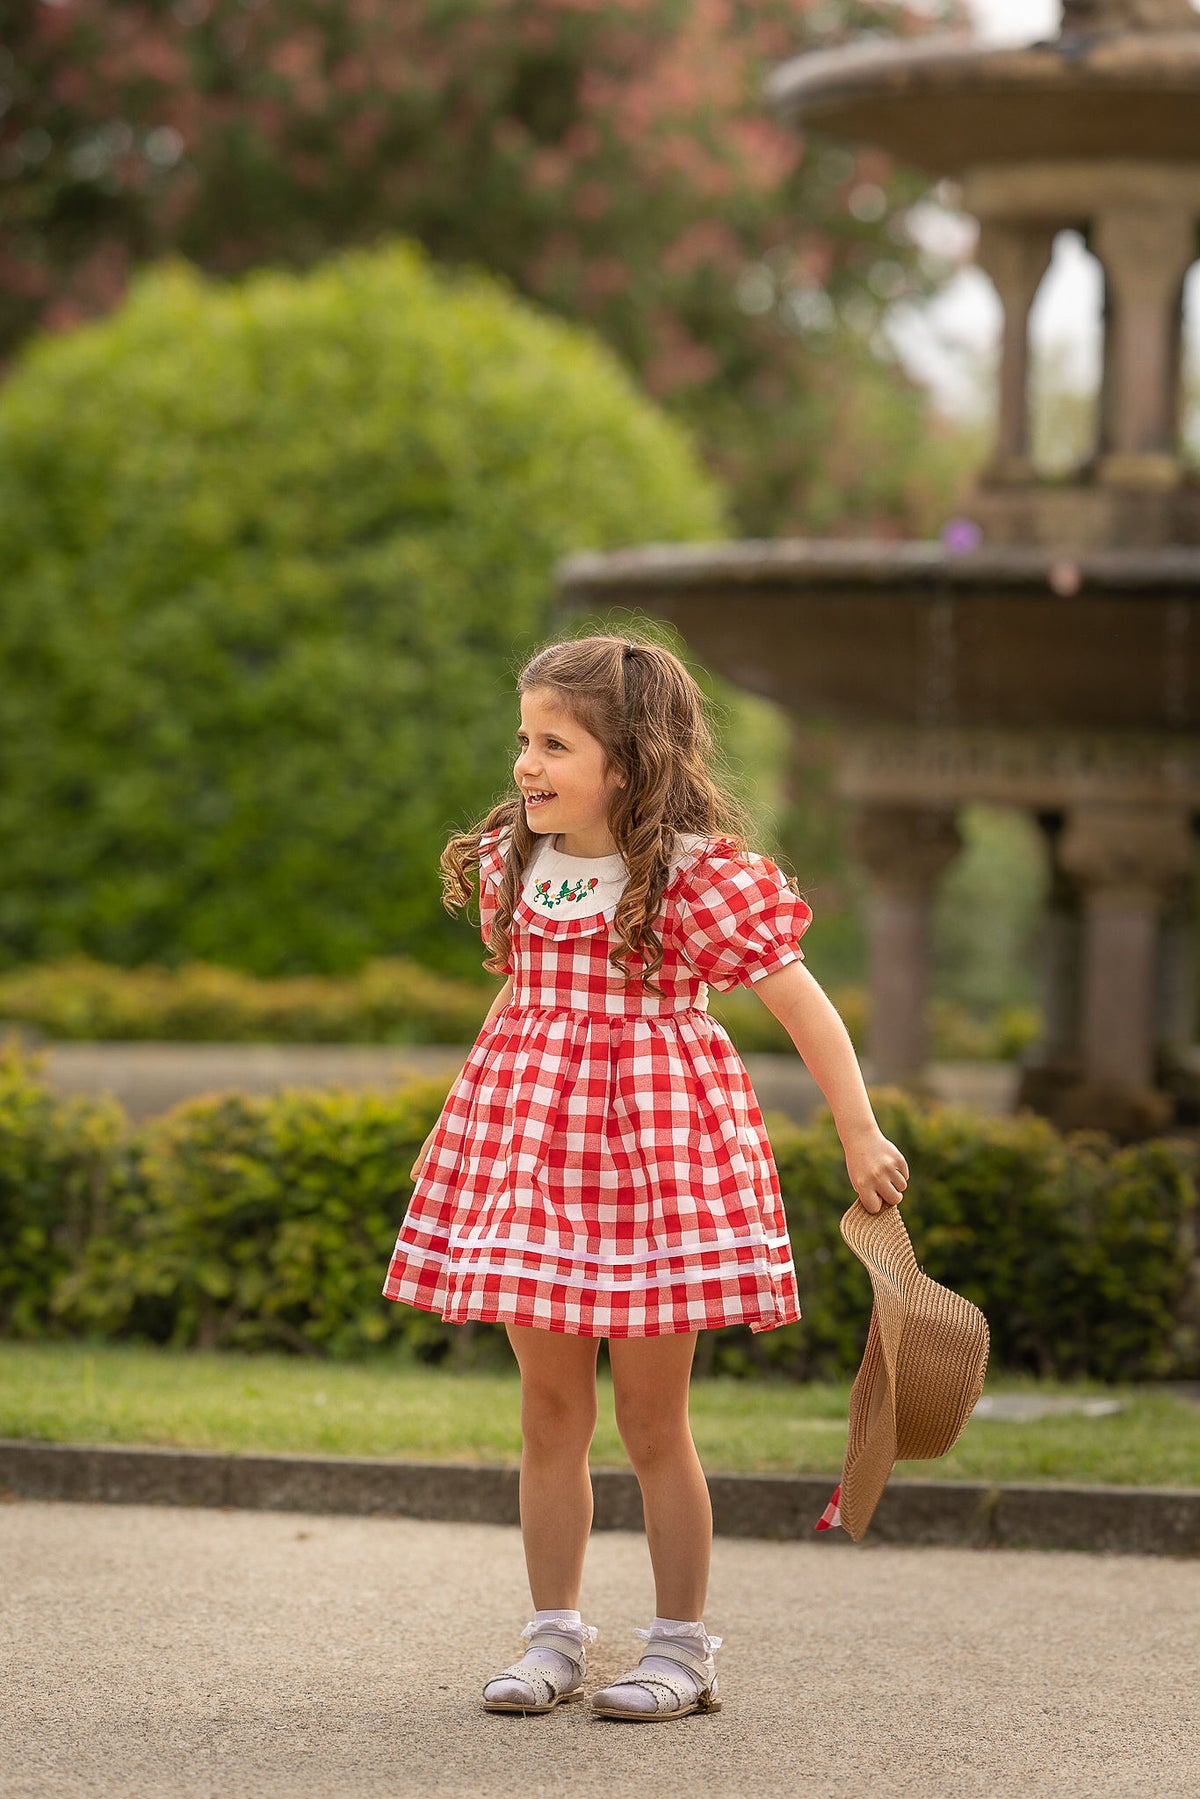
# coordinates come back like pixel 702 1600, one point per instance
pixel 877 1170
pixel 501 999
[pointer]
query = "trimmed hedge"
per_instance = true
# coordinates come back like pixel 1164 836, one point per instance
pixel 389 1001
pixel 257 1223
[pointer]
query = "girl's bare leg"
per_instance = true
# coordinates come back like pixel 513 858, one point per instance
pixel 650 1393
pixel 558 1417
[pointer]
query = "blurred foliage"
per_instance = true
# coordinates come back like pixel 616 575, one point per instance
pixel 260 1223
pixel 272 555
pixel 387 1001
pixel 955 1034
pixel 988 912
pixel 615 160
pixel 62 1163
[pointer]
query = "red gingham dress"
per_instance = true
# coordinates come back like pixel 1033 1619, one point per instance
pixel 600 1166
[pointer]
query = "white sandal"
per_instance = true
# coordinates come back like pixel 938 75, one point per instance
pixel 673 1696
pixel 546 1685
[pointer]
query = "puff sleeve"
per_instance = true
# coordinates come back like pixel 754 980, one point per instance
pixel 492 846
pixel 738 919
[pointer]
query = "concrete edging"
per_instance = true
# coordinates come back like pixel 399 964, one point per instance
pixel 962 1514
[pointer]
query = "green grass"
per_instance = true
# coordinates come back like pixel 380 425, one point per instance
pixel 116 1393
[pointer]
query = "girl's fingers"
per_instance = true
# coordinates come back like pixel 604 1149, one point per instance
pixel 885 1190
pixel 888 1186
pixel 897 1180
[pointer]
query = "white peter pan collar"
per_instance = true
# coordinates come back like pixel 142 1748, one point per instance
pixel 608 873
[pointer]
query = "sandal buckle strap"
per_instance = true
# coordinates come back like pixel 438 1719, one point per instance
pixel 669 1650
pixel 657 1683
pixel 540 1681
pixel 548 1638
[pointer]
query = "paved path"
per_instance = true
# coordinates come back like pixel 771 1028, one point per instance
pixel 161 1652
pixel 149 1077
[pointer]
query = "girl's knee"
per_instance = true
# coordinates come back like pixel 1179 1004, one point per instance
pixel 652 1435
pixel 554 1418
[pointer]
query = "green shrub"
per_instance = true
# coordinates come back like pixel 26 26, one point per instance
pixel 270 551
pixel 260 1223
pixel 61 1164
pixel 1078 1251
pixel 256 1223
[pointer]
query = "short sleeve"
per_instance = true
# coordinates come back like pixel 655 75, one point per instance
pixel 492 846
pixel 739 919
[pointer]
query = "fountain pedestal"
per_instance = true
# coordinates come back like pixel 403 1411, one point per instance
pixel 1130 863
pixel 1061 956
pixel 904 850
pixel 1055 667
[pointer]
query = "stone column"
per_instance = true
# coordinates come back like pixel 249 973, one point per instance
pixel 1015 255
pixel 905 851
pixel 1174 985
pixel 1130 862
pixel 1146 252
pixel 1061 954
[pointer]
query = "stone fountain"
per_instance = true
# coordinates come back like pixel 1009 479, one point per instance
pixel 1045 657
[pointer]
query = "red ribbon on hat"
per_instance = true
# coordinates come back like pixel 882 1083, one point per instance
pixel 831 1517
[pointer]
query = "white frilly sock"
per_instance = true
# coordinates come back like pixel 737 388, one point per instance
pixel 681 1630
pixel 518 1692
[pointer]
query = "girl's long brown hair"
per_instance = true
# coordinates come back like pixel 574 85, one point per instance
pixel 638 700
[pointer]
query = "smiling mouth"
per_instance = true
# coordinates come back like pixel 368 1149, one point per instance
pixel 538 799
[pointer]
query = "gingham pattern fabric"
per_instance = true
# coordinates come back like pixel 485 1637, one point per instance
pixel 600 1166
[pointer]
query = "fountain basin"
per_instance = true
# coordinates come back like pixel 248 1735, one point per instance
pixel 911 634
pixel 946 103
pixel 1044 655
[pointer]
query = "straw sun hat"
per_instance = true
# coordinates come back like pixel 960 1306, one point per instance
pixel 921 1372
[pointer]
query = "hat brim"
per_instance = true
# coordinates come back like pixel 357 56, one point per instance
pixel 922 1370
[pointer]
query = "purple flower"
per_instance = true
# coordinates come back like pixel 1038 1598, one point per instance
pixel 960 536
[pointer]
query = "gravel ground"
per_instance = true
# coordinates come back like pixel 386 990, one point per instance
pixel 165 1651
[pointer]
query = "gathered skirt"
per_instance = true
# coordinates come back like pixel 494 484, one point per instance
pixel 603 1175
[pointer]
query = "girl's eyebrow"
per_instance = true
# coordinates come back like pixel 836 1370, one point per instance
pixel 557 736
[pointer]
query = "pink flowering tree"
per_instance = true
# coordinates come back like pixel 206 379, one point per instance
pixel 613 159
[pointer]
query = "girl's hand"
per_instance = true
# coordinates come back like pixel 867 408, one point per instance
pixel 415 1170
pixel 878 1172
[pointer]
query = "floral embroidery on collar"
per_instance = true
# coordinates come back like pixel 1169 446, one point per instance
pixel 568 893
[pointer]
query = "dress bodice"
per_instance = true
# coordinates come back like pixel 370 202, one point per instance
pixel 724 920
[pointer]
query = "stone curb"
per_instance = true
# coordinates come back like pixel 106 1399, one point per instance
pixel 785 1507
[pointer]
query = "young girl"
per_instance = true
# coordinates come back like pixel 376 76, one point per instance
pixel 600 1167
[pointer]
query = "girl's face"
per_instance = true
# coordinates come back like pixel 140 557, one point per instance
pixel 561 760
